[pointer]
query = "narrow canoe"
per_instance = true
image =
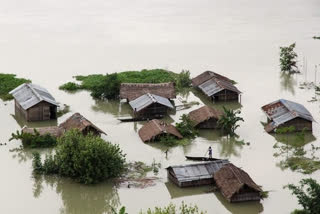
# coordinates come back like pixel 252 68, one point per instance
pixel 201 158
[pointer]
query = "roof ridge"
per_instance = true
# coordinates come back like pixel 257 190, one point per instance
pixel 159 127
pixel 35 92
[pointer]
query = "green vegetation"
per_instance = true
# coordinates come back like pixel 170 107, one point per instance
pixel 8 83
pixel 121 211
pixel 186 127
pixel 316 37
pixel 34 140
pixel 63 111
pixel 228 121
pixel 288 59
pixel 308 194
pixel 107 86
pixel 87 159
pixel 172 209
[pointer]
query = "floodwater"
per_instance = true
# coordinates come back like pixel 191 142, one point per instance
pixel 49 41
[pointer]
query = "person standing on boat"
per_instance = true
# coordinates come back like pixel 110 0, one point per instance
pixel 210 152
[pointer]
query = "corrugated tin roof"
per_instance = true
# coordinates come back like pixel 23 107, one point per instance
pixel 28 95
pixel 198 171
pixel 148 99
pixel 214 85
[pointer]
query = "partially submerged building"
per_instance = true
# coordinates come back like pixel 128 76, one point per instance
pixel 156 129
pixel 131 91
pixel 216 86
pixel 77 121
pixel 34 103
pixel 195 174
pixel 150 106
pixel 205 117
pixel 54 131
pixel 285 113
pixel 236 185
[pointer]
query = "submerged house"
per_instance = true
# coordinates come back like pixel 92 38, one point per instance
pixel 77 121
pixel 195 174
pixel 205 117
pixel 150 106
pixel 216 86
pixel 236 185
pixel 285 113
pixel 155 129
pixel 34 103
pixel 54 131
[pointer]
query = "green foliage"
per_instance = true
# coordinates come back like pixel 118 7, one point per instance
pixel 8 82
pixel 172 209
pixel 302 164
pixel 186 127
pixel 34 140
pixel 107 86
pixel 121 211
pixel 308 194
pixel 288 61
pixel 87 159
pixel 228 121
pixel 316 37
pixel 63 111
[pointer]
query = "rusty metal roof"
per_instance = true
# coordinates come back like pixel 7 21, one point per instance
pixel 192 172
pixel 28 95
pixel 147 99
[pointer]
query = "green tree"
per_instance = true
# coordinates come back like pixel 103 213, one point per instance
pixel 186 127
pixel 228 121
pixel 87 159
pixel 308 194
pixel 288 59
pixel 183 79
pixel 108 88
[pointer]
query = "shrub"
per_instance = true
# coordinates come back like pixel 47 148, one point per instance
pixel 308 194
pixel 87 159
pixel 288 61
pixel 108 88
pixel 70 86
pixel 34 140
pixel 228 121
pixel 172 209
pixel 186 127
pixel 183 79
pixel 8 83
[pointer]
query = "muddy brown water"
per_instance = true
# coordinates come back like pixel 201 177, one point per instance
pixel 51 41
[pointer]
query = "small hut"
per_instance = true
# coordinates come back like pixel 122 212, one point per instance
pixel 155 129
pixel 34 103
pixel 216 86
pixel 195 174
pixel 285 113
pixel 51 130
pixel 236 185
pixel 150 106
pixel 205 117
pixel 131 91
pixel 77 121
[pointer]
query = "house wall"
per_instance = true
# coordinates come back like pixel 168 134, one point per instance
pixel 299 124
pixel 226 95
pixel 154 110
pixel 246 196
pixel 40 112
pixel 20 111
pixel 209 124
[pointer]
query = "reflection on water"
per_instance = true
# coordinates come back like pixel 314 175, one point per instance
pixel 77 198
pixel 113 107
pixel 25 154
pixel 288 82
pixel 22 122
pixel 252 207
pixel 177 192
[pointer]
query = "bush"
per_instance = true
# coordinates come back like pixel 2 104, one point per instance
pixel 8 83
pixel 186 127
pixel 288 61
pixel 87 159
pixel 183 79
pixel 34 140
pixel 228 121
pixel 108 88
pixel 172 209
pixel 70 86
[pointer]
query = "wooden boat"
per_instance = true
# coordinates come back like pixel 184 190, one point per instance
pixel 201 158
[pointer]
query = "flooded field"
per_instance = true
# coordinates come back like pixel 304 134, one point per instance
pixel 50 41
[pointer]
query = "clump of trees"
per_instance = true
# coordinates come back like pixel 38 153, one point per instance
pixel 186 127
pixel 288 59
pixel 87 159
pixel 173 209
pixel 34 140
pixel 8 83
pixel 228 122
pixel 308 194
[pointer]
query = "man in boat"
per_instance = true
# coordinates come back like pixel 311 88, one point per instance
pixel 210 152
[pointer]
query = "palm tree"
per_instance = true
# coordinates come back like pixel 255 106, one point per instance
pixel 228 121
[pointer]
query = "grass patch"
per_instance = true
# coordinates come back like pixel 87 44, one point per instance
pixel 8 83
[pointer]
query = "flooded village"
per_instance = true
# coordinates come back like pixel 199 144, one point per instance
pixel 173 104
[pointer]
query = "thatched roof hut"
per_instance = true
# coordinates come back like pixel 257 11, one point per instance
pixel 51 130
pixel 207 75
pixel 156 128
pixel 236 185
pixel 205 117
pixel 132 91
pixel 287 113
pixel 77 121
